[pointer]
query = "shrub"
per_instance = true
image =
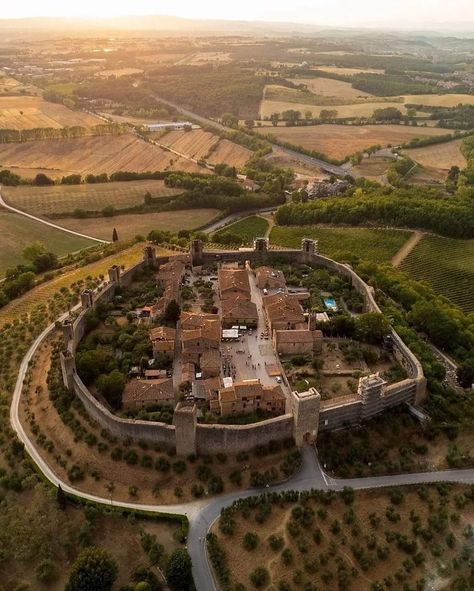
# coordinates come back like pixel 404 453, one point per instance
pixel 251 541
pixel 260 577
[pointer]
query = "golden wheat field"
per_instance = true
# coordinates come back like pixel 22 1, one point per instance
pixel 130 225
pixel 59 199
pixel 439 156
pixel 338 141
pixel 200 144
pixel 29 112
pixel 329 87
pixel 90 155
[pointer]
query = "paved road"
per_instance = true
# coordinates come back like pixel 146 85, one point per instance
pixel 234 217
pixel 202 514
pixel 46 223
pixel 330 168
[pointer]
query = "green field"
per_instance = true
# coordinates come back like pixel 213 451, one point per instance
pixel 90 197
pixel 369 244
pixel 447 265
pixel 16 232
pixel 248 229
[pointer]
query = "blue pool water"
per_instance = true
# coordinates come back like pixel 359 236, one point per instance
pixel 330 303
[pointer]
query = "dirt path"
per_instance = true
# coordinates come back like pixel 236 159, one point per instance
pixel 406 248
pixel 271 222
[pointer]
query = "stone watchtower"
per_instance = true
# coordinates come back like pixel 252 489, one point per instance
pixel 184 421
pixel 114 274
pixel 68 369
pixel 87 298
pixel 304 406
pixel 370 391
pixel 149 256
pixel 68 330
pixel 309 248
pixel 260 245
pixel 196 252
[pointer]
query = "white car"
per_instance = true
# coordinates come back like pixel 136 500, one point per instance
pixel 278 380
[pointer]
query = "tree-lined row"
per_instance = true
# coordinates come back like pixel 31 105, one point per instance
pixel 397 208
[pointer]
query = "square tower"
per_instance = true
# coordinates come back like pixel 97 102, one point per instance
pixel 305 409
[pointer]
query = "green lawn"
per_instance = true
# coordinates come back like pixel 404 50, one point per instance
pixel 342 243
pixel 248 229
pixel 16 232
pixel 447 265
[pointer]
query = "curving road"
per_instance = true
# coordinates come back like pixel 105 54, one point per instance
pixel 326 166
pixel 202 514
pixel 46 223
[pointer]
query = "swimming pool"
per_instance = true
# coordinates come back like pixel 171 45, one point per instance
pixel 330 303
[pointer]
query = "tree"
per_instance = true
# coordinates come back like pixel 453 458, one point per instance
pixel 178 571
pixel 387 114
pixel 148 198
pixel 328 114
pixel 61 498
pixel 33 250
pixel 372 327
pixel 230 120
pixel 114 235
pixel 249 123
pixel 111 387
pixel 93 570
pixel 291 116
pixel 465 373
pixel 172 312
pixel 41 180
pixel 275 118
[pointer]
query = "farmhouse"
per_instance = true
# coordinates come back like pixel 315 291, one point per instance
pixel 144 393
pixel 247 397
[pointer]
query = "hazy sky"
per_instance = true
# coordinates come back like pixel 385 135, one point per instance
pixel 326 12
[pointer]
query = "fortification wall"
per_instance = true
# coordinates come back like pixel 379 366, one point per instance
pixel 210 439
pixel 152 432
pixel 336 417
pixel 213 439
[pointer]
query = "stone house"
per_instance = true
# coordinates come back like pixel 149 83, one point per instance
pixel 284 312
pixel 140 394
pixel 297 342
pixel 268 278
pixel 163 340
pixel 247 397
pixel 238 311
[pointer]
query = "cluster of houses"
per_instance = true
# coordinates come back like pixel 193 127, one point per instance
pixel 194 347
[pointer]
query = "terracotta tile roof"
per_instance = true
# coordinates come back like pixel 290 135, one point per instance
pixel 232 280
pixel 294 336
pixel 210 329
pixel 162 333
pixel 210 359
pixel 238 307
pixel 148 391
pixel 195 320
pixel 283 308
pixel 268 274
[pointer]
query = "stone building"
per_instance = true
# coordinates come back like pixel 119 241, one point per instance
pixel 163 340
pixel 284 312
pixel 269 278
pixel 247 397
pixel 140 394
pixel 297 342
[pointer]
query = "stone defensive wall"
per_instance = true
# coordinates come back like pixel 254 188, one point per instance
pixel 186 435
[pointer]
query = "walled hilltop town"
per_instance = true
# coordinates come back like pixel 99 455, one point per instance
pixel 231 360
